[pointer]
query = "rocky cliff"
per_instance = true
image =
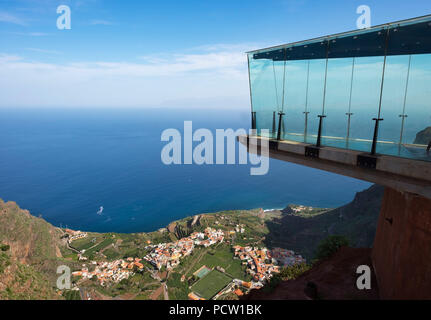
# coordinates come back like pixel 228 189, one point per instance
pixel 331 279
pixel 32 240
pixel 423 137
pixel 356 220
pixel 28 267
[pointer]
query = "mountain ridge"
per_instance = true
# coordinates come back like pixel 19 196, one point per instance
pixel 37 248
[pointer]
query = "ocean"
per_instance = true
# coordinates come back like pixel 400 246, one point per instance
pixel 64 164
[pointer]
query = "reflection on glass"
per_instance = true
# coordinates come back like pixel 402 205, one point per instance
pixel 263 92
pixel 295 100
pixel 351 80
pixel 417 127
pixel 338 88
pixel 392 110
pixel 315 97
pixel 365 98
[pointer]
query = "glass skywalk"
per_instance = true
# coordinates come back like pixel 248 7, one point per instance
pixel 359 87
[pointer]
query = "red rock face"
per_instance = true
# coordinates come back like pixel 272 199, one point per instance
pixel 333 279
pixel 402 247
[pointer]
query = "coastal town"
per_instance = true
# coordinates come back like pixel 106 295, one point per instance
pixel 75 235
pixel 114 271
pixel 169 254
pixel 258 262
pixel 263 263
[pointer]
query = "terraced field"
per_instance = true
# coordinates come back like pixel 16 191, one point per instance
pixel 211 284
pixel 99 247
pixel 221 256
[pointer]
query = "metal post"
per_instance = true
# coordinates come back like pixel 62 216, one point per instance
pixel 273 123
pixel 281 113
pixel 275 86
pixel 251 96
pixel 306 112
pixel 376 132
pixel 378 119
pixel 349 115
pixel 319 134
pixel 279 125
pixel 403 116
pixel 306 125
pixel 326 76
pixel 253 119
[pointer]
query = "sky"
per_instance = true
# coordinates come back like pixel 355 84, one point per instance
pixel 158 53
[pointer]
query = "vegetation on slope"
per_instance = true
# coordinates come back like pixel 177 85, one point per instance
pixel 29 265
pixel 19 281
pixel 31 249
pixel 357 221
pixel 330 245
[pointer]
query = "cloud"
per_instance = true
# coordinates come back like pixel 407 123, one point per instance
pixel 43 50
pixel 5 58
pixel 31 34
pixel 240 47
pixel 210 78
pixel 9 18
pixel 100 22
pixel 219 62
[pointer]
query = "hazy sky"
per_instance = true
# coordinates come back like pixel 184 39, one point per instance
pixel 158 53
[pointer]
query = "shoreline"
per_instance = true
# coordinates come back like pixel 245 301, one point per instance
pixel 269 210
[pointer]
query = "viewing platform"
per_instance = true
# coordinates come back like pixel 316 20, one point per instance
pixel 395 172
pixel 365 90
pixel 358 104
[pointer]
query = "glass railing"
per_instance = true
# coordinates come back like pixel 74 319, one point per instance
pixel 370 88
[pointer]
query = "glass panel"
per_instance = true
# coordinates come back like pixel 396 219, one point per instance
pixel 292 78
pixel 279 70
pixel 295 100
pixel 315 98
pixel 338 86
pixel 417 127
pixel 263 92
pixel 394 89
pixel 367 79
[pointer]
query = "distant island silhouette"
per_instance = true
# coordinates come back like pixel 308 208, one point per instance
pixel 423 137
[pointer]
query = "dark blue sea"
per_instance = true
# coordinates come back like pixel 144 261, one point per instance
pixel 65 164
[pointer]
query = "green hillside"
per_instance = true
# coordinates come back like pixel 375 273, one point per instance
pixel 28 268
pixel 19 281
pixel 31 249
pixel 356 220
